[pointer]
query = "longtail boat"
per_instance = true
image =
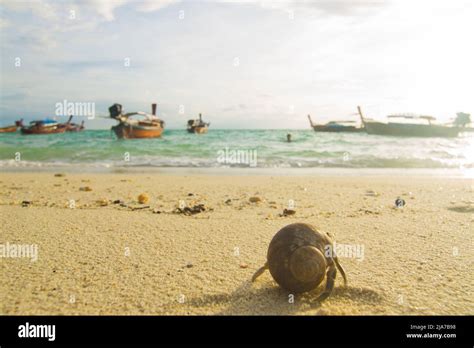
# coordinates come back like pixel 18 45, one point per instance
pixel 74 127
pixel 11 129
pixel 198 126
pixel 150 126
pixel 336 126
pixel 409 129
pixel 46 126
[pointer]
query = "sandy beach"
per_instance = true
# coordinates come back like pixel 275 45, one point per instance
pixel 95 256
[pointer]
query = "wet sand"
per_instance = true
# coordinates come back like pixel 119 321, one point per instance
pixel 97 257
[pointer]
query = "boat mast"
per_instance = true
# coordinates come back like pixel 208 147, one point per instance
pixel 310 121
pixel 360 114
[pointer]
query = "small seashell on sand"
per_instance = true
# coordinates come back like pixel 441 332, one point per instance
pixel 255 199
pixel 143 198
pixel 85 188
pixel 244 265
pixel 399 202
pixel 103 202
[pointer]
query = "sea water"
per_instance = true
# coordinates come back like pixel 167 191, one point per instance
pixel 235 149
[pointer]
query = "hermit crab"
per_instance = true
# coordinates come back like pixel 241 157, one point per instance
pixel 299 257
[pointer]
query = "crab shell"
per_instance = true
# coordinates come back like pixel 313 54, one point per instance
pixel 296 257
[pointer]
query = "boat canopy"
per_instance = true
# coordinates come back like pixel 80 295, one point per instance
pixel 116 113
pixel 413 116
pixel 47 122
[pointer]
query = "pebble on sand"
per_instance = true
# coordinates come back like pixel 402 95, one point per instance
pixel 59 175
pixel 143 198
pixel 288 212
pixel 85 188
pixel 103 202
pixel 255 199
pixel 371 193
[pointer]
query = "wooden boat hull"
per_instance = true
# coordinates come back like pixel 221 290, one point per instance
pixel 337 129
pixel 198 130
pixel 9 129
pixel 42 130
pixel 126 131
pixel 410 130
pixel 74 128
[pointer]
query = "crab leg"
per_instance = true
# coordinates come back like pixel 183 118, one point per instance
pixel 339 267
pixel 260 271
pixel 331 277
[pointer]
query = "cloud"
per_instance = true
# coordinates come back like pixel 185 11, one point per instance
pixel 40 8
pixel 154 5
pixel 83 66
pixel 345 7
pixel 17 96
pixel 324 7
pixel 36 39
pixel 47 19
pixel 106 9
pixel 103 9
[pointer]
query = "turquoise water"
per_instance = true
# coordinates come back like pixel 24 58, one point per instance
pixel 235 148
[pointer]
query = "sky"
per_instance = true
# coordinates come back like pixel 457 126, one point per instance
pixel 242 64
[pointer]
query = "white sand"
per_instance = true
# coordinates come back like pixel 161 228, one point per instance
pixel 111 260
